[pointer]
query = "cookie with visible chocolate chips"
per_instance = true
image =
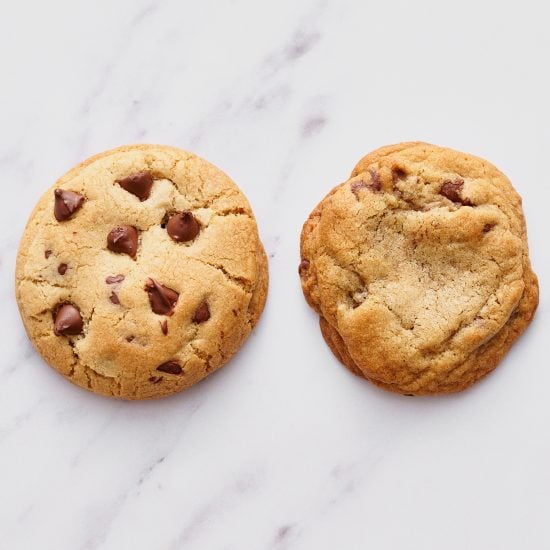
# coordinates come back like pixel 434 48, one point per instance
pixel 141 272
pixel 419 270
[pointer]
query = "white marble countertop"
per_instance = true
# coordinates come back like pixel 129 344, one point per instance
pixel 283 448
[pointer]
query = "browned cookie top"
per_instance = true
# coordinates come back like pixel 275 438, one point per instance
pixel 419 267
pixel 140 272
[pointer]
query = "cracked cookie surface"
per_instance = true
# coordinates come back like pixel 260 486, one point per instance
pixel 418 267
pixel 141 272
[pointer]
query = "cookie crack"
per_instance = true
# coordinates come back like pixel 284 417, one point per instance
pixel 402 323
pixel 87 375
pixel 237 211
pixel 239 281
pixel 206 358
pixel 41 282
pixel 419 377
pixel 76 359
pixel 202 201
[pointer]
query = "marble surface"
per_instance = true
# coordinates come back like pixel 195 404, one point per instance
pixel 282 449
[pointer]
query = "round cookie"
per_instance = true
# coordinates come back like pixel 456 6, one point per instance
pixel 141 272
pixel 418 268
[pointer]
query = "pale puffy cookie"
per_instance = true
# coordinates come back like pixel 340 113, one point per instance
pixel 141 272
pixel 418 267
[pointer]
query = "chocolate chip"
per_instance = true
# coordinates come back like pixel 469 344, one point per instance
pixel 68 321
pixel 66 204
pixel 487 227
pixel 356 186
pixel 202 313
pixel 171 367
pixel 123 239
pixel 139 184
pixel 47 254
pixel 163 300
pixel 183 227
pixel 112 279
pixel 114 298
pixel 303 267
pixel 164 327
pixel 453 189
pixel 130 338
pixel 62 269
pixel 156 379
pixel 375 184
pixel 397 173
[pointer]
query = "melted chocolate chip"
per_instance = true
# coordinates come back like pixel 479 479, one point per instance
pixel 114 298
pixel 112 279
pixel 139 184
pixel 183 227
pixel 303 267
pixel 170 367
pixel 62 269
pixel 356 186
pixel 487 227
pixel 453 189
pixel 47 254
pixel 123 239
pixel 130 338
pixel 163 300
pixel 397 173
pixel 66 204
pixel 202 313
pixel 156 379
pixel 68 321
pixel 375 184
pixel 164 327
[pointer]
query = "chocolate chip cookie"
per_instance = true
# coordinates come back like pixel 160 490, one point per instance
pixel 418 268
pixel 141 272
